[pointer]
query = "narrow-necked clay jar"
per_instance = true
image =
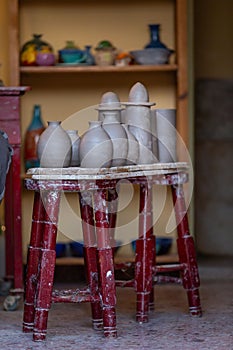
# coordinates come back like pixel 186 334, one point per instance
pixel 109 101
pixel 54 147
pixel 95 149
pixel 133 147
pixel 118 136
pixel 75 141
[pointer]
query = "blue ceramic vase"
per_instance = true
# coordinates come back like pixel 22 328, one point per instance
pixel 155 37
pixel 34 130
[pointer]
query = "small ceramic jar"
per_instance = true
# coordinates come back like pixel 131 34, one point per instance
pixel 105 53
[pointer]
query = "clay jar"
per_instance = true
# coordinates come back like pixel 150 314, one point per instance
pixel 167 135
pixel 109 102
pixel 75 141
pixel 118 137
pixel 95 149
pixel 54 147
pixel 138 117
pixel 133 147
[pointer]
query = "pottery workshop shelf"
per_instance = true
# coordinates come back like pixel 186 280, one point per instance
pixel 97 69
pixel 62 90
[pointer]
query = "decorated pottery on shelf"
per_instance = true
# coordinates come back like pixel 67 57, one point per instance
pixel 105 53
pixel 33 132
pixel 71 53
pixel 89 58
pixel 54 147
pixel 37 52
pixel 155 52
pixel 95 149
pixel 123 59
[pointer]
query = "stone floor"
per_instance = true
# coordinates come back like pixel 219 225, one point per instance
pixel 170 326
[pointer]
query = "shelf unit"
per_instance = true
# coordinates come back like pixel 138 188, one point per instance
pixel 180 68
pixel 177 71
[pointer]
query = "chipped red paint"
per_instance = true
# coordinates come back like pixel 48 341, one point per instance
pixel 98 223
pixel 90 257
pixel 34 255
pixel 10 123
pixel 186 252
pixel 106 266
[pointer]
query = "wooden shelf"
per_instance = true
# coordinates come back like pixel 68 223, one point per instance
pixel 160 259
pixel 98 69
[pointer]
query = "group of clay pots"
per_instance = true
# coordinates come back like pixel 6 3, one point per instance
pixel 124 134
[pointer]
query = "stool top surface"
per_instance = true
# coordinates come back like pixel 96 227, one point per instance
pixel 77 173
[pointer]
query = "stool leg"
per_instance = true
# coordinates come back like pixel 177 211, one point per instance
pixel 34 252
pixel 47 265
pixel 112 215
pixel 145 254
pixel 186 252
pixel 106 267
pixel 90 256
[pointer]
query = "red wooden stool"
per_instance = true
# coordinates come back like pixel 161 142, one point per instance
pixel 100 291
pixel 98 224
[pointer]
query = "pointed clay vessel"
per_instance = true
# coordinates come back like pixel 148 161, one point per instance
pixel 138 117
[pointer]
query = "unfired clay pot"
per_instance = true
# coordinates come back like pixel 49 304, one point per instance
pixel 54 147
pixel 133 147
pixel 95 149
pixel 109 101
pixel 118 137
pixel 138 117
pixel 166 132
pixel 75 141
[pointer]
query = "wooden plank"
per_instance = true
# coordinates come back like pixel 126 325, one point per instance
pixel 14 42
pixel 97 69
pixel 182 72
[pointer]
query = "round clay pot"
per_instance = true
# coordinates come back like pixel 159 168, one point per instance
pixel 95 149
pixel 118 137
pixel 75 141
pixel 54 147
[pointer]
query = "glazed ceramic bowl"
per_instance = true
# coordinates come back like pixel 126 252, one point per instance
pixel 151 56
pixel 45 59
pixel 163 244
pixel 71 56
